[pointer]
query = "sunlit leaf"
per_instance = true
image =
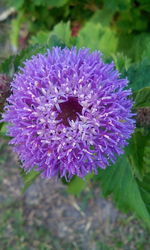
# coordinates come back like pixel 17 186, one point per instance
pixel 139 75
pixel 62 32
pixel 119 181
pixel 142 98
pixel 12 64
pixel 76 185
pixel 103 39
pixel 28 178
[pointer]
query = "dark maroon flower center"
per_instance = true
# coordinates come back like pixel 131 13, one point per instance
pixel 69 110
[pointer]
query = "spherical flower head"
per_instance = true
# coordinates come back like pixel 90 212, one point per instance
pixel 69 113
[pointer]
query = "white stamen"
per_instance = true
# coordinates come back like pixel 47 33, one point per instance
pixel 57 107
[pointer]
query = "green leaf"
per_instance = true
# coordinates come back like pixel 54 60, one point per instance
pixel 139 75
pixel 122 62
pixel 103 16
pixel 3 130
pixel 28 178
pixel 7 66
pixel 16 3
pixel 138 153
pixel 134 46
pixel 146 157
pixel 28 53
pixel 144 187
pixel 117 5
pixel 146 52
pixel 119 181
pixel 102 38
pixel 57 3
pixel 11 65
pixel 142 98
pixel 15 29
pixel 55 41
pixel 51 3
pixel 142 43
pixel 40 38
pixel 76 185
pixel 62 32
pixel 59 36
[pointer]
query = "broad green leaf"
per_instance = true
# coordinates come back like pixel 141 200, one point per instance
pixel 142 98
pixel 138 153
pixel 139 75
pixel 59 36
pixel 62 32
pixel 40 38
pixel 55 41
pixel 7 66
pixel 146 52
pixel 76 185
pixel 131 20
pixel 11 65
pixel 103 16
pixel 102 38
pixel 28 178
pixel 139 46
pixel 134 46
pixel 144 187
pixel 119 181
pixel 122 62
pixel 28 53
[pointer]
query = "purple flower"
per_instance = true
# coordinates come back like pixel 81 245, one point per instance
pixel 69 113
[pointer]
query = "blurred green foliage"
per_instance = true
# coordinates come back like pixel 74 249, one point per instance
pixel 110 26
